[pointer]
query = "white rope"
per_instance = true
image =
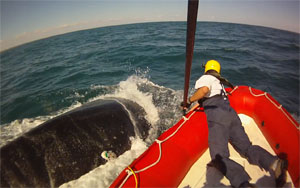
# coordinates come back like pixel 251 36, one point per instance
pixel 185 119
pixel 235 88
pixel 124 181
pixel 277 106
pixel 159 142
pixel 259 95
pixel 157 161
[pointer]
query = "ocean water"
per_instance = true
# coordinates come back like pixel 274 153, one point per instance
pixel 144 63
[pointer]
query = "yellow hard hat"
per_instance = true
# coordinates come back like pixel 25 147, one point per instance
pixel 212 65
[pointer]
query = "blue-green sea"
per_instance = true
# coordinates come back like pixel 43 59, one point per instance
pixel 44 78
pixel 141 62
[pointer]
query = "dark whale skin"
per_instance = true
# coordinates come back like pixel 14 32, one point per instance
pixel 70 145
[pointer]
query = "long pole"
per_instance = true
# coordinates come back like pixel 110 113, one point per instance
pixel 190 39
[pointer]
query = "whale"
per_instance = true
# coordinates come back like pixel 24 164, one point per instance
pixel 70 145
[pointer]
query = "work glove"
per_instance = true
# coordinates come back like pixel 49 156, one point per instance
pixel 188 104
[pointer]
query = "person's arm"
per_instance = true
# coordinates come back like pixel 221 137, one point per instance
pixel 199 94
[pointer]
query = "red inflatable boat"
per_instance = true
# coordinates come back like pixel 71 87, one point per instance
pixel 166 162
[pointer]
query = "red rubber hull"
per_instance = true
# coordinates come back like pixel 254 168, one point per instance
pixel 183 149
pixel 277 125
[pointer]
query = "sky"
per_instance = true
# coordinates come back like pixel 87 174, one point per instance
pixel 23 21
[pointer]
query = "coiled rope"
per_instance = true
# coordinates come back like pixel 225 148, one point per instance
pixel 159 142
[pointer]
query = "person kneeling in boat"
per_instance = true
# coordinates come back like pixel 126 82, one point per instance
pixel 225 126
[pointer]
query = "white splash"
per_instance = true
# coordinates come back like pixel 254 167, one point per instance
pixel 128 89
pixel 16 128
pixel 103 176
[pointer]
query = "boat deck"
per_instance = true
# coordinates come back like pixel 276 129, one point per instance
pixel 201 176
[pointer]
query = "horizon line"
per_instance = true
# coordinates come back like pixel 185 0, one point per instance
pixel 58 33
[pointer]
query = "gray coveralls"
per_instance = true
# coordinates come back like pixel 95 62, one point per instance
pixel 225 126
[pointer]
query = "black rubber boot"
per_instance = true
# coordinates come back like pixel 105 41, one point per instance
pixel 281 172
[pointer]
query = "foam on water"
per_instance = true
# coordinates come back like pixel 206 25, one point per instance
pixel 104 175
pixel 12 130
pixel 127 89
pixel 49 77
pixel 130 89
